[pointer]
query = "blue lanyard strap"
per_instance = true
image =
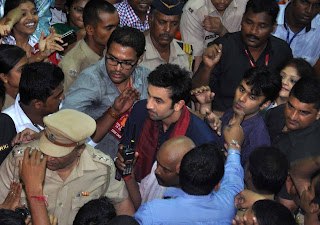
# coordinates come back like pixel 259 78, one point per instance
pixel 288 31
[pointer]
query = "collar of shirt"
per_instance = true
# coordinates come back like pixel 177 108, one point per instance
pixel 21 120
pixel 152 52
pixel 267 50
pixel 212 9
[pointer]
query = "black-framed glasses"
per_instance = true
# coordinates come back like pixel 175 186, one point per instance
pixel 124 64
pixel 78 9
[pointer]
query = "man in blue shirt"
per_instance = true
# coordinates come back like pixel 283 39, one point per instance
pixel 204 198
pixel 299 25
pixel 258 88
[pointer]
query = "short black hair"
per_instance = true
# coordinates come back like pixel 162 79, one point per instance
pixel 303 68
pixel 201 169
pixel 124 219
pixel 173 78
pixel 97 211
pixel 38 80
pixel 269 169
pixel 271 7
pixel 9 217
pixel 93 8
pixel 263 81
pixel 10 55
pixel 2 92
pixel 12 4
pixel 128 37
pixel 270 212
pixel 307 90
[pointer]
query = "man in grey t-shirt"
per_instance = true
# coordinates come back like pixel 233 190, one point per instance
pixel 107 90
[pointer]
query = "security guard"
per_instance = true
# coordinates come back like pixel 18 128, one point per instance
pixel 76 172
pixel 161 47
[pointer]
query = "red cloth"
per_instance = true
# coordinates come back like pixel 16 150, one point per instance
pixel 147 144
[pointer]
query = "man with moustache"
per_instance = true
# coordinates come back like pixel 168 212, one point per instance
pixel 294 128
pixel 100 19
pixel 134 13
pixel 299 25
pixel 107 90
pixel 225 62
pixel 258 88
pixel 161 47
pixel 162 116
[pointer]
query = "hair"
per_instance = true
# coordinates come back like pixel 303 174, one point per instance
pixel 69 3
pixel 270 212
pixel 124 219
pixel 9 217
pixel 10 55
pixel 38 80
pixel 93 9
pixel 128 37
pixel 263 80
pixel 269 169
pixel 307 90
pixel 303 68
pixel 173 78
pixel 201 169
pixel 98 212
pixel 271 7
pixel 12 4
pixel 2 92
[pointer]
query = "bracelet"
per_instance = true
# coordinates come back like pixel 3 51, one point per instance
pixel 112 114
pixel 235 143
pixel 41 198
pixel 128 177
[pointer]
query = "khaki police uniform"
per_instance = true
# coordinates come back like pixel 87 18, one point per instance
pixel 93 177
pixel 193 14
pixel 180 54
pixel 77 59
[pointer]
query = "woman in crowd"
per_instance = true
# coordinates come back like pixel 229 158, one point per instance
pixel 12 60
pixel 74 10
pixel 292 71
pixel 20 33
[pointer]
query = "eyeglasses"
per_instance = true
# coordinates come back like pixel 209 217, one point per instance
pixel 124 65
pixel 78 9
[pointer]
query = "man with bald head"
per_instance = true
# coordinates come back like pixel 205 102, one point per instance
pixel 164 171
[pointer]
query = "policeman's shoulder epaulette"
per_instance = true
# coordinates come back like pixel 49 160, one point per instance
pixel 187 48
pixel 18 150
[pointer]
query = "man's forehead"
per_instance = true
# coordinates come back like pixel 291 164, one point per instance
pixel 159 92
pixel 122 52
pixel 249 88
pixel 260 17
pixel 300 105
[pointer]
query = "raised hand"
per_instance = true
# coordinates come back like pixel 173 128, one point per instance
pixel 234 131
pixel 125 100
pixel 25 136
pixel 211 55
pixel 32 171
pixel 246 198
pixel 213 24
pixel 213 121
pixel 12 200
pixel 49 45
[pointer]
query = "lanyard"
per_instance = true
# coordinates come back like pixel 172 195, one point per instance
pixel 130 85
pixel 266 60
pixel 289 41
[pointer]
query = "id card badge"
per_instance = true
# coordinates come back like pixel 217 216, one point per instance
pixel 116 129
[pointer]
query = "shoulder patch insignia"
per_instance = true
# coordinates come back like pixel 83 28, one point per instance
pixel 73 72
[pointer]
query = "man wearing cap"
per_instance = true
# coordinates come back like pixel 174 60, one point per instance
pixel 76 172
pixel 161 47
pixel 205 20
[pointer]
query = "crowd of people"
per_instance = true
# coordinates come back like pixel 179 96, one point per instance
pixel 159 112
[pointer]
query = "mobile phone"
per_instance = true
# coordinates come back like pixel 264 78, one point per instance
pixel 69 37
pixel 128 155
